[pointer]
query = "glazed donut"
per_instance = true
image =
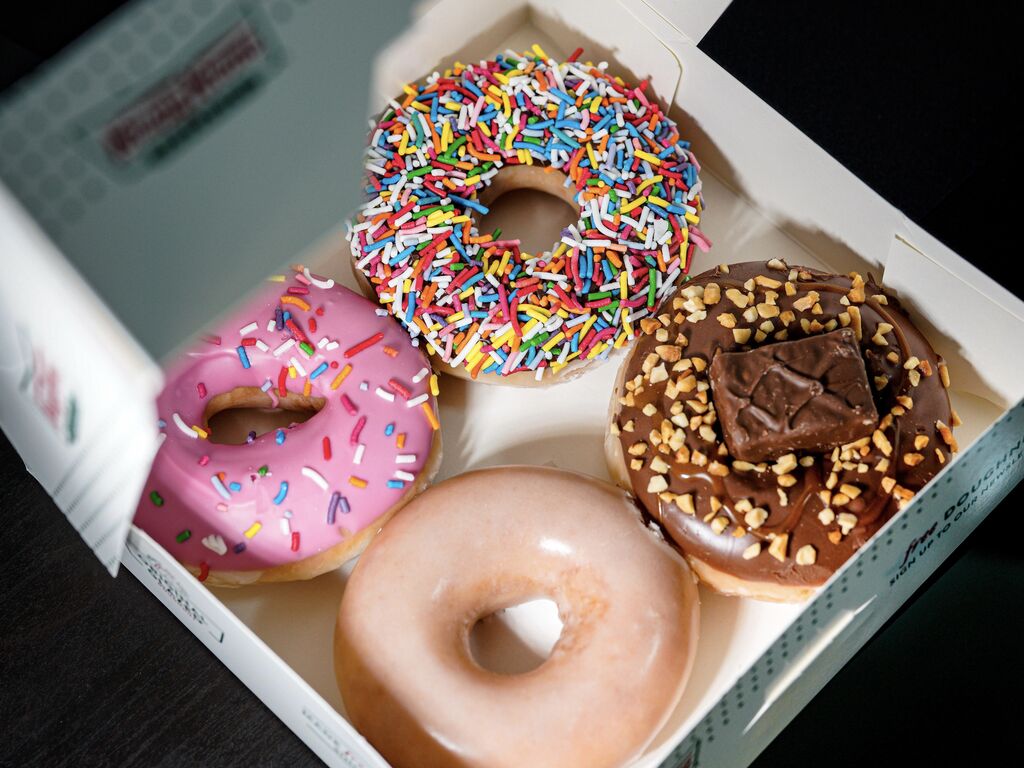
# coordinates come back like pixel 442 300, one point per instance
pixel 297 501
pixel 462 551
pixel 833 414
pixel 461 139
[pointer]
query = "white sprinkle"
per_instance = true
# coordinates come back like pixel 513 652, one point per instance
pixel 364 386
pixel 248 329
pixel 358 457
pixel 271 324
pixel 406 476
pixel 297 366
pixel 215 543
pixel 315 476
pixel 261 345
pixel 420 376
pixel 331 346
pixel 286 527
pixel 284 347
pixel 325 284
pixel 267 385
pixel 322 343
pixel 184 427
pixel 405 458
pixel 420 399
pixel 384 394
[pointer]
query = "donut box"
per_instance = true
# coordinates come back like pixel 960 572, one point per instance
pixel 770 192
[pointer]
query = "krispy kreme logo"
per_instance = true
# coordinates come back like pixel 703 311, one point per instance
pixel 183 96
pixel 225 63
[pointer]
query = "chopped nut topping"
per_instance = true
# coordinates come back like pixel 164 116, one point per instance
pixel 742 466
pixel 707 433
pixel 944 374
pixel 940 456
pixel 755 517
pixel 636 464
pixel 737 297
pixel 752 551
pixel 921 441
pixel 785 464
pixel 786 481
pixel 777 264
pixel 912 362
pixel 914 377
pixel 669 353
pixel 888 483
pixel 649 410
pixel 777 548
pixel 856 294
pixel 767 282
pixel 648 324
pixel 882 442
pixel 743 505
pixel 712 293
pixel 806 301
pixel 806 555
pixel 718 469
pixel 629 426
pixel 855 322
pixel 658 465
pixel 840 499
pixel 767 310
pixel 826 516
pixel 657 484
pixel 835 537
pixel 661 334
pixel 790 289
pixel 806 461
pixel 947 435
pixel 954 418
pixel 881 382
pixel 685 504
pixel 850 490
pixel 719 524
pixel 847 522
pixel 741 335
pixel 906 401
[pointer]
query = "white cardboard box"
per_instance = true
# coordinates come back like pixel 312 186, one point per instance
pixel 770 192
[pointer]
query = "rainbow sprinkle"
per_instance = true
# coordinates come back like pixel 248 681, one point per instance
pixel 481 302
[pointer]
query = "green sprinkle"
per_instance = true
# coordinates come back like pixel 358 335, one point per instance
pixel 306 347
pixel 156 498
pixel 262 471
pixel 184 536
pixel 598 295
pixel 421 171
pixel 540 338
pixel 650 287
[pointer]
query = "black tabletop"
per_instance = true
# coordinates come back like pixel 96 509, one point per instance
pixel 915 101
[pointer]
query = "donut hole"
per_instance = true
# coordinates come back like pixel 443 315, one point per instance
pixel 518 639
pixel 246 412
pixel 529 204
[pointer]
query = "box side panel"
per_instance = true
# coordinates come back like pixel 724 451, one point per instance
pixel 76 393
pixel 858 600
pixel 311 718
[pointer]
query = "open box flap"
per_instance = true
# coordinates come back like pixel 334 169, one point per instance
pixel 77 394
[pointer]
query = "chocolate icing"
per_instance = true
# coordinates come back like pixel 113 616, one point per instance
pixel 809 394
pixel 801 517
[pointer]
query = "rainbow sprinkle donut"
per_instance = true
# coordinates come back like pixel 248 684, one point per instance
pixel 480 303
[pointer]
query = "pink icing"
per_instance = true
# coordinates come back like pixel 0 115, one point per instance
pixel 182 507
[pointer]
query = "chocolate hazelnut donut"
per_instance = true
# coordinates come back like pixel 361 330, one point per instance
pixel 771 419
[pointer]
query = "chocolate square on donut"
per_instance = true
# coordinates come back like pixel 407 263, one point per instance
pixel 810 394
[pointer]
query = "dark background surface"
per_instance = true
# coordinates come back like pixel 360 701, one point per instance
pixel 917 102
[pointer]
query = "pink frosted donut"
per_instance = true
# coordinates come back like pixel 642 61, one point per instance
pixel 299 500
pixel 489 540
